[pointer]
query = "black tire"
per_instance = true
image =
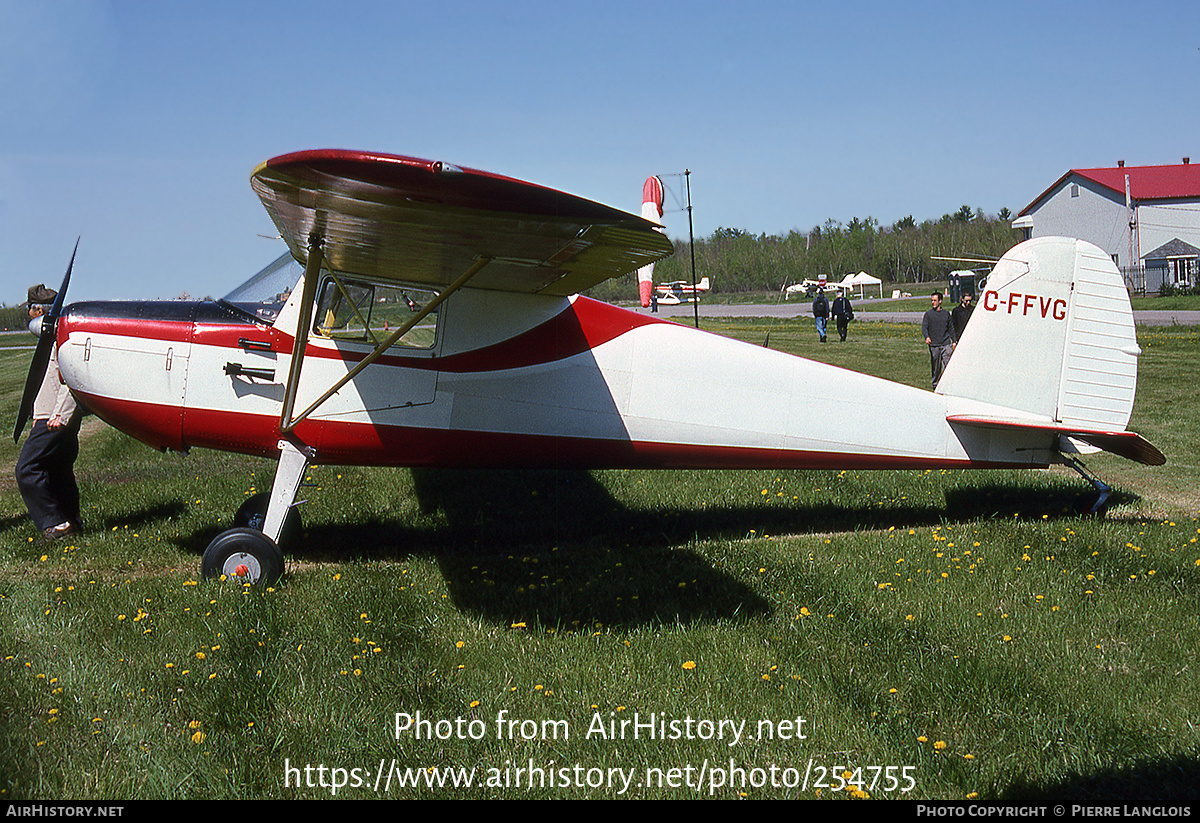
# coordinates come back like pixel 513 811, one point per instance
pixel 244 554
pixel 252 514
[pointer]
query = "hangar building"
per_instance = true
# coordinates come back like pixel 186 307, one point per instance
pixel 1146 217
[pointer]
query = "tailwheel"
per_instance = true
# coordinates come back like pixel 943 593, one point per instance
pixel 245 555
pixel 1103 490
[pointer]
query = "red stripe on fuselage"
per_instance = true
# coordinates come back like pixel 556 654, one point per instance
pixel 174 331
pixel 584 325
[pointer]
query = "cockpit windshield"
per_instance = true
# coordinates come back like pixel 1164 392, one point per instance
pixel 264 294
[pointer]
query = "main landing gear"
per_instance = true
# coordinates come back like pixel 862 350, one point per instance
pixel 251 552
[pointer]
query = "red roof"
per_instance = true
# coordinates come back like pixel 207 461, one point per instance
pixel 1145 182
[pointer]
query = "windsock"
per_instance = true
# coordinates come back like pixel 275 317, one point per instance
pixel 652 209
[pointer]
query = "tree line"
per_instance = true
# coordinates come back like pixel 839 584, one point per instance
pixel 736 260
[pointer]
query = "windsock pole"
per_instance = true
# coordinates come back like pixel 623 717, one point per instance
pixel 687 176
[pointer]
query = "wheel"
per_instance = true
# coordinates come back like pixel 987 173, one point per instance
pixel 243 554
pixel 253 513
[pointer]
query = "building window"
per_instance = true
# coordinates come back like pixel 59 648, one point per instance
pixel 1074 190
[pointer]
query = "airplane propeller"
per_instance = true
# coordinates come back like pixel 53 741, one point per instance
pixel 41 355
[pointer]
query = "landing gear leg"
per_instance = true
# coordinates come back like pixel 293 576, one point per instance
pixel 1103 490
pixel 294 459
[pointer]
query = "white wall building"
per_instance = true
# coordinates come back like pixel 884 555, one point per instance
pixel 1146 217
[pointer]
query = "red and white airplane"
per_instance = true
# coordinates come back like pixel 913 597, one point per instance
pixel 681 291
pixel 427 315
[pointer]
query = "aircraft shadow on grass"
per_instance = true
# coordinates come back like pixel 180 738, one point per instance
pixel 556 545
pixel 1157 783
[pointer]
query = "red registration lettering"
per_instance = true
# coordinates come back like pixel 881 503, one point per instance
pixel 1048 307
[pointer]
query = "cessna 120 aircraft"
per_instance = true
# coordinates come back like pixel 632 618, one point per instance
pixel 428 315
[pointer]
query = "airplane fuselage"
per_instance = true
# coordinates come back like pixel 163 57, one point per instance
pixel 513 380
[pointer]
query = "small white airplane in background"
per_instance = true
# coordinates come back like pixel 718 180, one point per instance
pixel 681 291
pixel 809 288
pixel 322 359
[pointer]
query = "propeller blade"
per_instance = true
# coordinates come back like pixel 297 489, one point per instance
pixel 56 309
pixel 41 355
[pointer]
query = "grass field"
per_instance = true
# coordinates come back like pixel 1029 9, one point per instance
pixel 556 634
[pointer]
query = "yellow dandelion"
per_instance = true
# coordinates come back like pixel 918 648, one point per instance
pixel 689 664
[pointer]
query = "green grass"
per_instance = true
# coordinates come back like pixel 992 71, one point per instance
pixel 1175 302
pixel 965 626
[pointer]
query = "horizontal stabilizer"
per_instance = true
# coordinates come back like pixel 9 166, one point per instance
pixel 1129 445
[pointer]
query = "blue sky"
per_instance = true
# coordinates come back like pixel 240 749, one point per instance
pixel 136 124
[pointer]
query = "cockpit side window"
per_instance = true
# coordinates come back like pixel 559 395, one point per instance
pixel 356 310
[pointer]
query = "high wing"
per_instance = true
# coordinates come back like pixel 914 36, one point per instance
pixel 392 217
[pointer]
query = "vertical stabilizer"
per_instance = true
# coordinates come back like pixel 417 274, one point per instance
pixel 1052 335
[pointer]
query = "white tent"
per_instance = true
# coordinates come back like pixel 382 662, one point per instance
pixel 858 281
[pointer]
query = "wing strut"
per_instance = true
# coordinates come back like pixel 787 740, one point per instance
pixel 287 422
pixel 312 270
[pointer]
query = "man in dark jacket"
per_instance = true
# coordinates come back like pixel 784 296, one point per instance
pixel 938 330
pixel 821 312
pixel 961 314
pixel 843 313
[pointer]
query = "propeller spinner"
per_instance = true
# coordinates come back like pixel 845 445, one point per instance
pixel 41 355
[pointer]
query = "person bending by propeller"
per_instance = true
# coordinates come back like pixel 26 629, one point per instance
pixel 45 470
